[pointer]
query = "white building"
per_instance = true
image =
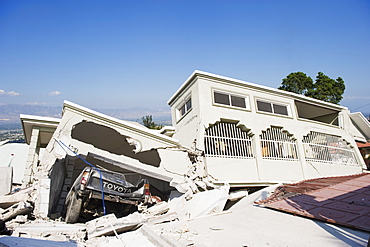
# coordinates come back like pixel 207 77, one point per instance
pixel 257 135
pixel 250 135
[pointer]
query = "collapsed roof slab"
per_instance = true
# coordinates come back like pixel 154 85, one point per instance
pixel 85 131
pixel 82 131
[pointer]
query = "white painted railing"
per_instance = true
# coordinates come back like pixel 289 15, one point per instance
pixel 226 140
pixel 277 144
pixel 320 147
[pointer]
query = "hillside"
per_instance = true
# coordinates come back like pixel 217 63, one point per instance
pixel 9 114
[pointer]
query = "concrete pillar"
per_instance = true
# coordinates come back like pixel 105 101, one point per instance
pixel 43 198
pixel 6 180
pixel 32 158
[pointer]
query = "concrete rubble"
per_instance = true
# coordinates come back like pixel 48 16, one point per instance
pixel 190 207
pixel 101 230
pixel 199 221
pixel 196 196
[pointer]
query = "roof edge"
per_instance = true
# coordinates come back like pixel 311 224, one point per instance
pixel 199 73
pixel 122 123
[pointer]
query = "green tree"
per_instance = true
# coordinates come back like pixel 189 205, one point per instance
pixel 327 89
pixel 324 88
pixel 297 82
pixel 148 122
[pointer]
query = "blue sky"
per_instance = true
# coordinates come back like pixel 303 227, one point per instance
pixel 121 54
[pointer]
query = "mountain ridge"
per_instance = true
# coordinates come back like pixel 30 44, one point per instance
pixel 10 113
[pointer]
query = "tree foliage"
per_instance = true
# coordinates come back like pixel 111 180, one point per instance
pixel 327 89
pixel 324 88
pixel 297 82
pixel 148 122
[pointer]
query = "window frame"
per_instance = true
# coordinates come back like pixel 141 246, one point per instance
pixel 230 95
pixel 184 105
pixel 272 103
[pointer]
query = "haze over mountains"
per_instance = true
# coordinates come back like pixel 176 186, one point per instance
pixel 9 114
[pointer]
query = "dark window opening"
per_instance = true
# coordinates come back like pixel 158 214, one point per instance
pixel 280 109
pixel 272 108
pixel 263 106
pixel 221 98
pixel 188 104
pixel 317 113
pixel 238 101
pixel 230 100
pixel 185 107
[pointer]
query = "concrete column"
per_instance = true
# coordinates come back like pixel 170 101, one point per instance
pixel 32 158
pixel 42 206
pixel 6 180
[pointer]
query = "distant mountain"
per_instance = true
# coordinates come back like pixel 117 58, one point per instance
pixel 9 114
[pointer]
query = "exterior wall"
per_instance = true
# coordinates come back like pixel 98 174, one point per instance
pixel 189 122
pixel 86 131
pixel 258 169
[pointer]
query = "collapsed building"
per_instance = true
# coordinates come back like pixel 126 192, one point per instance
pixel 225 134
pixel 224 131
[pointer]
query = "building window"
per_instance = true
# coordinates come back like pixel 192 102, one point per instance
pixel 277 144
pixel 271 107
pixel 317 113
pixel 184 108
pixel 226 140
pixel 230 100
pixel 320 147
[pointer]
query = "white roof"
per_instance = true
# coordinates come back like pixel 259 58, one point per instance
pixel 361 123
pixel 123 123
pixel 198 73
pixel 47 127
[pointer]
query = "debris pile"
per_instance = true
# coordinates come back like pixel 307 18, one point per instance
pixel 195 196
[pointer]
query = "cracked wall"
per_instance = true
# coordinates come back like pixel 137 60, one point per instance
pixel 108 139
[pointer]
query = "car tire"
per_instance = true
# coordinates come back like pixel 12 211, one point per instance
pixel 73 208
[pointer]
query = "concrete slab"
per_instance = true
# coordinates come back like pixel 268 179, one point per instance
pixel 20 208
pixel 6 180
pixel 203 203
pixel 55 231
pixel 109 224
pixel 129 239
pixel 9 200
pixel 249 225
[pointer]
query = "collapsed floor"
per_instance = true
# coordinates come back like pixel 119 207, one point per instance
pixel 190 209
pixel 199 221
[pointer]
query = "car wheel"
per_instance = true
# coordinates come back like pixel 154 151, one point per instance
pixel 73 208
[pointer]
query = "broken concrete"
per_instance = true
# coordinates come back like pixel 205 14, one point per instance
pixel 55 231
pixel 109 225
pixel 201 204
pixel 6 178
pixel 9 200
pixel 20 208
pixel 123 147
pixel 248 225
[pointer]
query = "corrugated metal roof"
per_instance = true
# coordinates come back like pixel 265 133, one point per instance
pixel 363 145
pixel 340 200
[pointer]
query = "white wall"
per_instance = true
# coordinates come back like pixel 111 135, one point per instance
pixel 205 113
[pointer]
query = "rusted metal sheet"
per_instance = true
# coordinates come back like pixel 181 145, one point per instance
pixel 342 201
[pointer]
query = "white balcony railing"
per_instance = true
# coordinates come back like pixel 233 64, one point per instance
pixel 226 140
pixel 277 144
pixel 320 147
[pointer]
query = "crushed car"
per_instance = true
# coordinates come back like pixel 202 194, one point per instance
pixel 96 192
